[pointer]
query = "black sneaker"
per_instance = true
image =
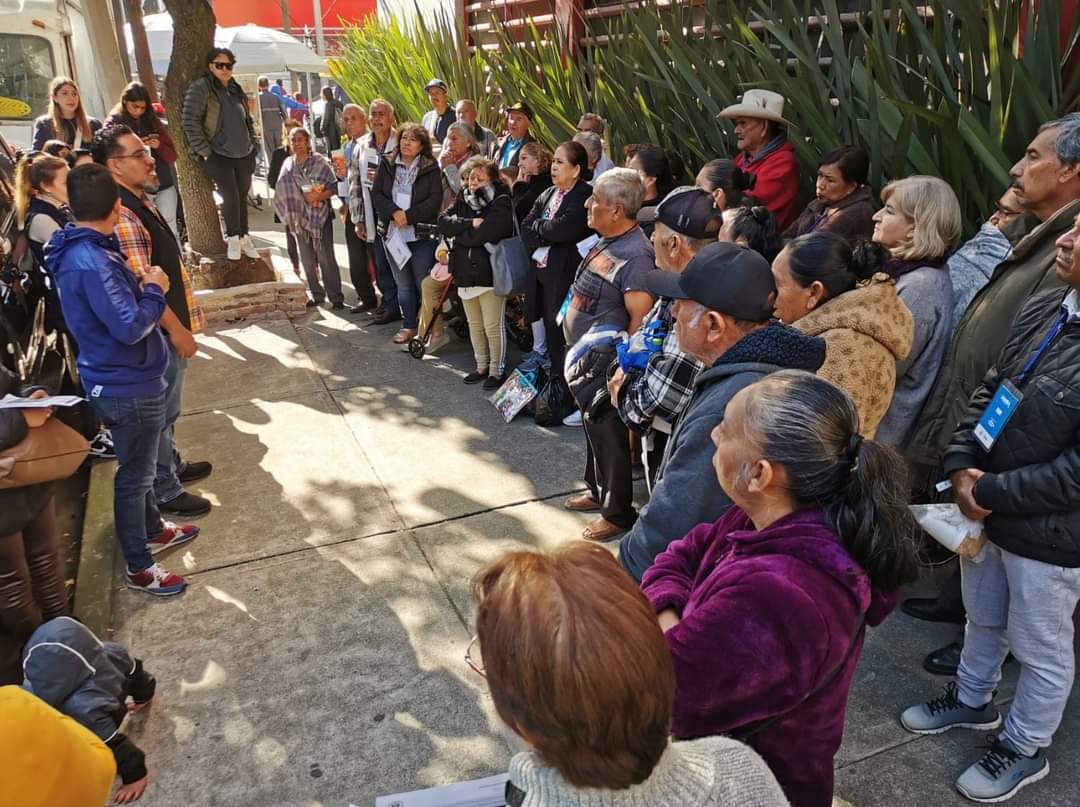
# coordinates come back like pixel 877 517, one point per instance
pixel 194 471
pixel 338 306
pixel 187 505
pixel 362 307
pixel 494 382
pixel 311 304
pixel 102 445
pixel 475 377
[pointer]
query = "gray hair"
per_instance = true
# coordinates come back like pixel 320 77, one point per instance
pixel 592 143
pixel 357 107
pixel 384 104
pixel 1067 144
pixel 466 130
pixel 592 117
pixel 621 186
pixel 810 428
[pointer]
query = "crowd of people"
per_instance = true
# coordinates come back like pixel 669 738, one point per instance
pixel 786 382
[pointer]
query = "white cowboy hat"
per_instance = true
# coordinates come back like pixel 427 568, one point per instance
pixel 764 104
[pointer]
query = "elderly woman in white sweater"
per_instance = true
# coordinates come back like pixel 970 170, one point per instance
pixel 579 669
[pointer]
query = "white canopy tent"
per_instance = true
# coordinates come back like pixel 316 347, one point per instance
pixel 258 50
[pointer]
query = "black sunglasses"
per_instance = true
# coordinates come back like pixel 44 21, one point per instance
pixel 223 65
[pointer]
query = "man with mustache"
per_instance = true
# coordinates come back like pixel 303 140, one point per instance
pixel 1014 465
pixel 1047 184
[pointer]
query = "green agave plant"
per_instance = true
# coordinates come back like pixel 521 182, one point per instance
pixel 954 89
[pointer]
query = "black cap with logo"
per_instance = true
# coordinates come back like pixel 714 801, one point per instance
pixel 729 278
pixel 521 107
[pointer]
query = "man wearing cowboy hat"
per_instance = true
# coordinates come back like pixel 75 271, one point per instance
pixel 760 129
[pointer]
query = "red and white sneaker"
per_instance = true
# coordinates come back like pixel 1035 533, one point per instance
pixel 156 580
pixel 172 535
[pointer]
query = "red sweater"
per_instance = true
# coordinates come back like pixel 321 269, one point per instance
pixel 777 184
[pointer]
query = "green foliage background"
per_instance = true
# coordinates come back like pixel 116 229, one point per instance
pixel 955 89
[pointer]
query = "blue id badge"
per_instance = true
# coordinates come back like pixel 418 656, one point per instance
pixel 1001 407
pixel 564 307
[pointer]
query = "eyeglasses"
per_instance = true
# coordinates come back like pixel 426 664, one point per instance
pixel 475 662
pixel 142 154
pixel 223 65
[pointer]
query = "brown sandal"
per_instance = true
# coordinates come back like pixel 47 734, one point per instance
pixel 403 336
pixel 602 530
pixel 582 503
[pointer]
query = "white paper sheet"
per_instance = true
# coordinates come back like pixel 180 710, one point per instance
pixel 15 402
pixel 397 248
pixel 489 792
pixel 586 244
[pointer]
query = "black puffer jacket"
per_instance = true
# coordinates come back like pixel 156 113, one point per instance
pixel 427 192
pixel 470 262
pixel 1032 474
pixel 18 506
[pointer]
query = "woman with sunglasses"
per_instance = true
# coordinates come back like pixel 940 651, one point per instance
pixel 66 119
pixel 219 128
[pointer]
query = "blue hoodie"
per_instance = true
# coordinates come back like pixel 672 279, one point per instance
pixel 122 352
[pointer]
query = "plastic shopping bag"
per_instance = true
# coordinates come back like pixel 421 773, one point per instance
pixel 515 394
pixel 951 528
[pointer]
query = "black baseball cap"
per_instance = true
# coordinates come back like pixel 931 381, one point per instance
pixel 437 82
pixel 521 107
pixel 729 278
pixel 688 211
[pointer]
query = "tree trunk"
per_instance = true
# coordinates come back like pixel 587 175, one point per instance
pixel 143 63
pixel 193 36
pixel 118 22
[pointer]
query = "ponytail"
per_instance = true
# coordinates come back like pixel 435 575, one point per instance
pixel 725 175
pixel 828 259
pixel 757 228
pixel 811 428
pixel 32 174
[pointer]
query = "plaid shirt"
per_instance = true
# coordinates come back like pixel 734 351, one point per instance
pixel 136 245
pixel 664 389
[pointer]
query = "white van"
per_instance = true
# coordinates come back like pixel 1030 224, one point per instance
pixel 40 39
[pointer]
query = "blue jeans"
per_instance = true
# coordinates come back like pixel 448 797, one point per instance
pixel 409 279
pixel 1026 606
pixel 384 275
pixel 136 424
pixel 166 480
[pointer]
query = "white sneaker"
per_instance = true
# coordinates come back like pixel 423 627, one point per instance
pixel 232 244
pixel 247 246
pixel 573 419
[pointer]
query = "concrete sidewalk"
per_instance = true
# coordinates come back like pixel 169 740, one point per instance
pixel 317 658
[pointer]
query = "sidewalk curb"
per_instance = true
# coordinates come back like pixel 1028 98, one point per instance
pixel 98 554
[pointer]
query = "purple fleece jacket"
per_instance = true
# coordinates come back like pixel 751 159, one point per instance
pixel 766 616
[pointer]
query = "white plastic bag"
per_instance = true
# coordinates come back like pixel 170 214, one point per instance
pixel 951 528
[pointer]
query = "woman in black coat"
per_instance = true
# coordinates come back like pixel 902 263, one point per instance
pixel 408 191
pixel 31 578
pixel 482 215
pixel 551 232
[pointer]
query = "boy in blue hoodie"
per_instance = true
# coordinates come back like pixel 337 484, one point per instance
pixel 114 315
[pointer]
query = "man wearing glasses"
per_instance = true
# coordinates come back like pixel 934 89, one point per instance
pixel 147 241
pixel 219 128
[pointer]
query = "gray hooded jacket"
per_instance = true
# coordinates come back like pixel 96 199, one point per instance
pixel 687 492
